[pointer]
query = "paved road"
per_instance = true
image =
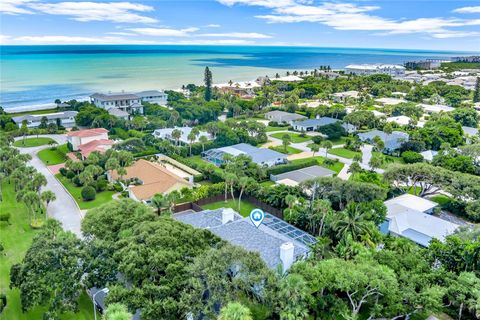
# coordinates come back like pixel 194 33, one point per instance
pixel 64 208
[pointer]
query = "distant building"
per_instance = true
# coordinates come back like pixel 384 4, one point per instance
pixel 119 113
pixel 153 177
pixel 369 69
pixel 262 157
pixel 243 89
pixel 277 242
pixel 427 64
pixel 390 101
pixel 410 217
pixel 283 117
pixel 428 155
pixel 82 137
pixel 401 120
pixel 435 108
pixel 296 177
pixel 392 141
pixel 470 59
pixel 313 124
pixel 66 118
pixel 342 97
pixel 128 102
pixel 166 133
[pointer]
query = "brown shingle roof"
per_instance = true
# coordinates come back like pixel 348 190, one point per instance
pixel 155 178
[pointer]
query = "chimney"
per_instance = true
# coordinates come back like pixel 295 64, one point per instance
pixel 286 255
pixel 227 215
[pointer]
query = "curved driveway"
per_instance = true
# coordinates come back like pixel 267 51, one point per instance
pixel 64 208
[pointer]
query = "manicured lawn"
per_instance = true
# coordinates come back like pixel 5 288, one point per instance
pixel 267 183
pixel 54 156
pixel 441 199
pixel 32 142
pixel 388 159
pixel 245 207
pixel 101 198
pixel 270 129
pixel 16 237
pixel 290 150
pixel 337 166
pixel 344 153
pixel 294 137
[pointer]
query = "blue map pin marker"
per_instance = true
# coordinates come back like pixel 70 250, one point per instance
pixel 257 216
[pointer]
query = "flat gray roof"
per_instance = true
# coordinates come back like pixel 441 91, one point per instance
pixel 304 174
pixel 50 116
pixel 316 122
pixel 266 239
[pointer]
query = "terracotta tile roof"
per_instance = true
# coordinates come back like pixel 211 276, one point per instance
pixel 87 132
pixel 155 178
pixel 100 145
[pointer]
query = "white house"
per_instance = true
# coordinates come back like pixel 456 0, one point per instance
pixel 154 96
pixel 393 70
pixel 128 102
pixel 401 120
pixel 435 108
pixel 66 118
pixel 410 217
pixel 283 117
pixel 428 155
pixel 81 137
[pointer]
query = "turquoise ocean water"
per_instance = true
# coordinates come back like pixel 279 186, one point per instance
pixel 37 75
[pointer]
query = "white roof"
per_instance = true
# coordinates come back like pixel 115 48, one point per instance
pixel 390 101
pixel 470 131
pixel 401 120
pixel 289 78
pixel 429 154
pixel 412 202
pixel 352 94
pixel 238 84
pixel 287 182
pixel 436 107
pixel 374 66
pixel 378 113
pixel 417 226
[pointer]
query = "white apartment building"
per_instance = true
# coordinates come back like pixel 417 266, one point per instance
pixel 393 70
pixel 128 102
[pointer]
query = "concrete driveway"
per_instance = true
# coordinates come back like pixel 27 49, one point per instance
pixel 64 208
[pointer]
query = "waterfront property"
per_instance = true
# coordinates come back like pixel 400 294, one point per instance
pixel 262 157
pixel 277 242
pixel 392 141
pixel 296 177
pixel 65 118
pixel 128 102
pixel 154 96
pixel 393 70
pixel 119 113
pixel 410 217
pixel 149 178
pixel 166 133
pixel 82 137
pixel 283 117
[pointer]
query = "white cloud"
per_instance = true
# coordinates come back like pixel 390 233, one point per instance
pixel 14 7
pixel 121 33
pixel 60 39
pixel 213 25
pixel 164 32
pixel 468 10
pixel 348 16
pixel 97 11
pixel 244 35
pixel 456 34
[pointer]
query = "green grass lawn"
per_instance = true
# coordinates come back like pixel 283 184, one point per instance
pixel 245 207
pixel 267 183
pixel 290 150
pixel 337 166
pixel 54 156
pixel 271 129
pixel 16 237
pixel 388 159
pixel 441 199
pixel 101 198
pixel 32 142
pixel 294 137
pixel 344 153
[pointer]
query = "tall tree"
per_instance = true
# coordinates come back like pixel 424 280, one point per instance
pixel 235 311
pixel 208 84
pixel 476 94
pixel 47 196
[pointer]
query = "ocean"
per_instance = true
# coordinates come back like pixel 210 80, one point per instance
pixel 34 76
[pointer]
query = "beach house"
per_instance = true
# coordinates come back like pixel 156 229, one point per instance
pixel 66 119
pixel 283 117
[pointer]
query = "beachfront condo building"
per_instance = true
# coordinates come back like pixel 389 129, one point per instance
pixel 368 69
pixel 128 102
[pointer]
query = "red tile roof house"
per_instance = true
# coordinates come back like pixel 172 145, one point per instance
pixel 82 137
pixel 101 146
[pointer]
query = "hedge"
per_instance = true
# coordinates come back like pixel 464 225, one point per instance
pixel 291 166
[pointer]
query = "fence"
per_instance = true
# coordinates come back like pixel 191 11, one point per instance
pixel 197 206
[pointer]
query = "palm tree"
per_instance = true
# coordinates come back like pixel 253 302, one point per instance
pixel 243 182
pixel 176 135
pixel 203 140
pixel 172 198
pixel 315 148
pixel 32 201
pixel 235 311
pixel 286 139
pixel 327 145
pixel 47 196
pixel 159 202
pixel 292 297
pixel 351 221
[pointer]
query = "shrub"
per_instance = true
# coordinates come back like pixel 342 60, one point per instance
pixel 302 135
pixel 63 171
pixel 3 301
pixel 411 157
pixel 118 187
pixel 88 193
pixel 473 211
pixel 291 166
pixel 5 217
pixel 101 185
pixel 76 181
pixel 1 247
pixel 273 124
pixel 70 174
pixel 317 139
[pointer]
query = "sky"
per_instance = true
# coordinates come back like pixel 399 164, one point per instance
pixel 422 24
